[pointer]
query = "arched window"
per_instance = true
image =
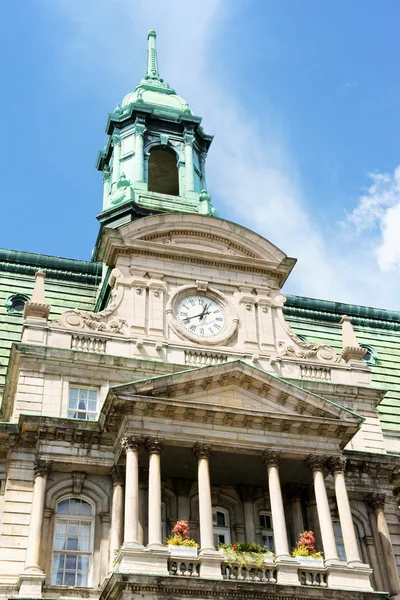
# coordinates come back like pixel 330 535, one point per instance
pixel 73 543
pixel 15 304
pixel 222 531
pixel 371 355
pixel 267 533
pixel 163 172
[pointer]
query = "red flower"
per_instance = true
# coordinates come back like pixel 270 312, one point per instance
pixel 234 546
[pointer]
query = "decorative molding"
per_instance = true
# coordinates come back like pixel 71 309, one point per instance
pixel 337 464
pixel 115 140
pixel 201 450
pixel 316 462
pixel 131 442
pixel 78 478
pixel 153 445
pixel 42 467
pixel 271 458
pixel 117 475
pixel 375 500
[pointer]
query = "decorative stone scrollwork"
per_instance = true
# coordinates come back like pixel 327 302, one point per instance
pixel 201 450
pixel 117 475
pixel 106 174
pixel 139 129
pixel 42 467
pixel 316 462
pixel 153 445
pixel 131 442
pixel 115 139
pixel 188 138
pixel 337 464
pixel 270 458
pixel 375 500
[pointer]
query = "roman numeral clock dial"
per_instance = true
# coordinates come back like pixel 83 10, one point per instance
pixel 201 316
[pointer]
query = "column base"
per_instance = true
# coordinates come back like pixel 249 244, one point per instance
pixel 355 577
pixel 210 564
pixel 287 570
pixel 30 584
pixel 133 558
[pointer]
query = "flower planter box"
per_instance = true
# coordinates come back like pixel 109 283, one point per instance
pixel 310 561
pixel 268 559
pixel 182 551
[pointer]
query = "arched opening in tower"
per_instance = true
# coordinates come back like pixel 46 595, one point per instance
pixel 163 172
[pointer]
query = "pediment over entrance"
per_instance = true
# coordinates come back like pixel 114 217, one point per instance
pixel 233 394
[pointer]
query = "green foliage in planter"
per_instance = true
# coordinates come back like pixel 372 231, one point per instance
pixel 303 551
pixel 179 540
pixel 245 555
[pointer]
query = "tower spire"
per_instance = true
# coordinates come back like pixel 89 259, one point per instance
pixel 152 59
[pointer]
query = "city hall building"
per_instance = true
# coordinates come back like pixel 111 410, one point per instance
pixel 170 379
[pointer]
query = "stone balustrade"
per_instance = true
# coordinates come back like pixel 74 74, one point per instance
pixel 313 576
pixel 187 567
pixel 238 572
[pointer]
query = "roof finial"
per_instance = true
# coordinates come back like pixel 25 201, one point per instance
pixel 152 60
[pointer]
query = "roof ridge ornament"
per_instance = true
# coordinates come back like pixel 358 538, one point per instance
pixel 351 348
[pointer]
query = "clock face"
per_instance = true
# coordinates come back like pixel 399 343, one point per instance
pixel 201 316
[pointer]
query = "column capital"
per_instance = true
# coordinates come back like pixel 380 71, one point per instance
pixel 117 475
pixel 188 138
pixel 153 445
pixel 139 128
pixel 337 464
pixel 42 467
pixel 131 442
pixel 115 139
pixel 270 458
pixel 106 174
pixel 316 462
pixel 201 450
pixel 375 500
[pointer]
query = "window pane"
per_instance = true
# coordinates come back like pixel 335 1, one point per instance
pixel 221 538
pixel 83 563
pixel 62 507
pixel 86 508
pixel 337 529
pixel 74 506
pixel 70 562
pixel 82 579
pixel 73 403
pixel 93 395
pixel 91 417
pixel 57 578
pixel 58 561
pixel 220 519
pixel 83 394
pixel 73 392
pixel 59 543
pixel 72 544
pixel 84 545
pixel 61 527
pixel 341 551
pixel 92 405
pixel 73 528
pixel 69 578
pixel 262 522
pixel 84 530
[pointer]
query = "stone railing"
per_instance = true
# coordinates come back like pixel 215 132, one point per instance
pixel 313 576
pixel 88 343
pixel 201 359
pixel 186 567
pixel 319 373
pixel 237 572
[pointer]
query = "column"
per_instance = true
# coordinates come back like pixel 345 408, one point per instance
pixel 374 563
pixel 131 446
pixel 117 512
pixel 139 129
pixel 247 496
pixel 293 493
pixel 271 461
pixel 143 487
pixel 316 465
pixel 41 469
pixel 182 489
pixel 154 448
pixel 337 464
pixel 202 453
pixel 377 503
pixel 188 138
pixel 116 143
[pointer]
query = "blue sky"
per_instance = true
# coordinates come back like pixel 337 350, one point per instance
pixel 303 97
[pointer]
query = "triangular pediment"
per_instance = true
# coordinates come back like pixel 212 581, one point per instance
pixel 195 235
pixel 236 393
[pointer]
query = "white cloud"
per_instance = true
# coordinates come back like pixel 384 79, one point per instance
pixel 378 210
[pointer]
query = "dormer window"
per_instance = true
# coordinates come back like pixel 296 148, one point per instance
pixel 163 172
pixel 371 355
pixel 15 304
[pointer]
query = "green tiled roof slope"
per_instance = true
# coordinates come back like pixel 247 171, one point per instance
pixel 318 321
pixel 69 284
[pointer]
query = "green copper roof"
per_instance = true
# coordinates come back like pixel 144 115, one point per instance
pixel 153 90
pixel 318 321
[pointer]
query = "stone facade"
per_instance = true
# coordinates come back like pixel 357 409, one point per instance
pixel 184 394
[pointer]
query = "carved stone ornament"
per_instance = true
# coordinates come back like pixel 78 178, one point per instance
pixel 316 462
pixel 139 129
pixel 117 475
pixel 270 458
pixel 201 450
pixel 188 138
pixel 153 445
pixel 100 321
pixel 337 464
pixel 305 350
pixel 131 442
pixel 115 139
pixel 78 478
pixel 42 467
pixel 375 500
